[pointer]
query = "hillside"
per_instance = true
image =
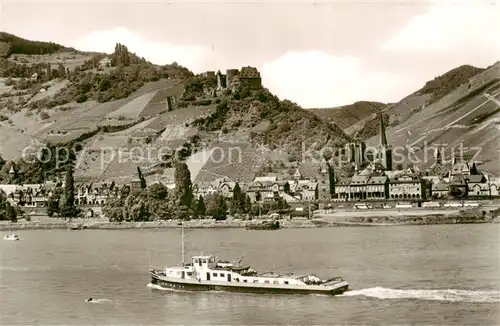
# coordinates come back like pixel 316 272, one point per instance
pixel 463 115
pixel 450 110
pixel 133 113
pixel 11 44
pixel 348 115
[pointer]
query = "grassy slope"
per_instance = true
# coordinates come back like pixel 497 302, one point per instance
pixel 395 114
pixel 348 115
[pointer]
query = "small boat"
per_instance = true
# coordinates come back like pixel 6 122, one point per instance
pixel 207 273
pixel 78 227
pixel 263 226
pixel 11 237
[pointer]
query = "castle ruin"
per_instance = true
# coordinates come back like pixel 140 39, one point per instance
pixel 247 76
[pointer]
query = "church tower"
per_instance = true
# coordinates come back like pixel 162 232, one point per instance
pixel 326 180
pixel 384 150
pixel 439 158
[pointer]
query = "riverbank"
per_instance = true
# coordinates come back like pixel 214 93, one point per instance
pixel 335 219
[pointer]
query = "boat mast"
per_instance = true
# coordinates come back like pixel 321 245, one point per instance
pixel 182 238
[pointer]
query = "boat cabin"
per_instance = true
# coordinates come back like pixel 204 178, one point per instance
pixel 208 268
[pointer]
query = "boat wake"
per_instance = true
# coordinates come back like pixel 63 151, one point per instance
pixel 450 295
pixel 99 301
pixel 157 287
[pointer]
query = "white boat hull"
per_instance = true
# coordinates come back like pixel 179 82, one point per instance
pixel 203 285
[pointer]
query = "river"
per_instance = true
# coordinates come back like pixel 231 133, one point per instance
pixel 432 274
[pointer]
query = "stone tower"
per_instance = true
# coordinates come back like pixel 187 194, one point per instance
pixel 325 182
pixel 439 156
pixel 230 76
pixel 384 153
pixel 221 80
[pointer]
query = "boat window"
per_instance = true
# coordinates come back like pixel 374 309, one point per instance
pixel 267 282
pixel 221 274
pixel 215 274
pixel 275 282
pixel 196 261
pixel 204 261
pixel 256 281
pixel 245 281
pixel 189 273
pixel 285 282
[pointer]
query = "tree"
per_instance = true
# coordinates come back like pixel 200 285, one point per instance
pixel 7 212
pixel 217 207
pixel 248 204
pixel 141 177
pixel 158 191
pixel 121 55
pixel 237 193
pixel 53 202
pixel 61 70
pixel 183 185
pixel 67 204
pixel 200 207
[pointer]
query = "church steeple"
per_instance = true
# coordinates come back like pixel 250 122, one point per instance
pixel 382 136
pixel 384 150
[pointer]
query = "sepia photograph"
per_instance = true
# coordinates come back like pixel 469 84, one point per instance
pixel 250 162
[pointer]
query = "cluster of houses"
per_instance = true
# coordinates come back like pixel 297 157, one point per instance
pixel 319 185
pixel 271 188
pixel 37 195
pixel 377 182
pixel 371 184
pixel 314 182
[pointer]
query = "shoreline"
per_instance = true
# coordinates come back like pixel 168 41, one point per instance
pixel 318 222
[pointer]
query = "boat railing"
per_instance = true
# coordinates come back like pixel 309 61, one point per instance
pixel 336 279
pixel 285 274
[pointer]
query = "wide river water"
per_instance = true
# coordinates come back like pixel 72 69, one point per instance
pixel 434 274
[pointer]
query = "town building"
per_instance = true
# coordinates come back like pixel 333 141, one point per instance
pixel 94 193
pixel 356 151
pixel 441 189
pixel 377 188
pixel 408 187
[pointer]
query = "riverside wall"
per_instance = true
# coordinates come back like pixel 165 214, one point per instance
pixel 335 219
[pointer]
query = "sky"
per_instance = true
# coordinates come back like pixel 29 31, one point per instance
pixel 314 53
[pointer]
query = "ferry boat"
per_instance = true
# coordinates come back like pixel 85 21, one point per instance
pixel 207 273
pixel 263 226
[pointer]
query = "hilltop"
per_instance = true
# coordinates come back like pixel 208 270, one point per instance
pixel 348 115
pixel 95 102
